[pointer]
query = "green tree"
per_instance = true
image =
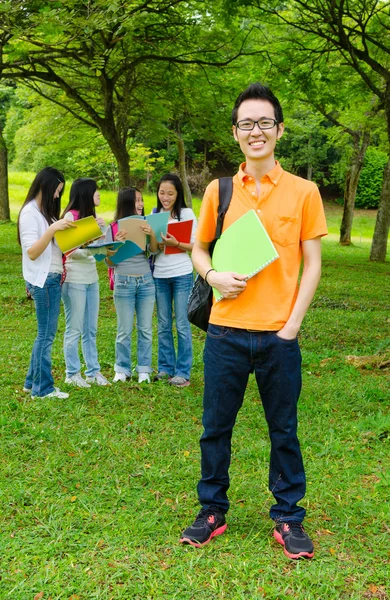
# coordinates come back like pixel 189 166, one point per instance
pixel 358 32
pixel 101 54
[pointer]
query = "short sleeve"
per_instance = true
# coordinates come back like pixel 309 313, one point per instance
pixel 208 213
pixel 313 216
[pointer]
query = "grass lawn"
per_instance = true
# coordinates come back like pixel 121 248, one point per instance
pixel 96 489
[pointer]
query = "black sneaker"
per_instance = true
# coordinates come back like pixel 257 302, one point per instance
pixel 208 523
pixel 292 536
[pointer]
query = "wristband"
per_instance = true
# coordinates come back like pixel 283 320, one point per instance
pixel 209 271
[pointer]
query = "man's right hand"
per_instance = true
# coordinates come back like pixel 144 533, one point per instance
pixel 229 284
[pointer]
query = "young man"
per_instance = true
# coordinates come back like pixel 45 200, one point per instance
pixel 254 328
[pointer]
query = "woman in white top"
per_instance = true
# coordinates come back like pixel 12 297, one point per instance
pixel 42 271
pixel 80 292
pixel 173 276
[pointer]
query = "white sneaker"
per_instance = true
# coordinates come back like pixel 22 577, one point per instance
pixel 143 378
pixel 56 393
pixel 77 380
pixel 27 389
pixel 121 377
pixel 99 379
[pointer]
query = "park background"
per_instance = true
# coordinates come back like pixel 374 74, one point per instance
pixel 96 489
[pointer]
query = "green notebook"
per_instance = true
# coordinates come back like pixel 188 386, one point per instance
pixel 245 247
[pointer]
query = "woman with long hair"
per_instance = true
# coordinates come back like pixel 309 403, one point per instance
pixel 134 292
pixel 173 276
pixel 80 292
pixel 42 270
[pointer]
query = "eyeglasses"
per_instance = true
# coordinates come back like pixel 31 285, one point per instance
pixel 249 125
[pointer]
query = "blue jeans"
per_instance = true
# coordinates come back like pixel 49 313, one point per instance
pixel 230 355
pixel 47 306
pixel 176 290
pixel 134 294
pixel 81 304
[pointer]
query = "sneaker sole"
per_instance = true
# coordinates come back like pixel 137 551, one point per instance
pixel 179 385
pixel 280 540
pixel 77 384
pixel 216 532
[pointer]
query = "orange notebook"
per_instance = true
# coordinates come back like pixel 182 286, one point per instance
pixel 182 231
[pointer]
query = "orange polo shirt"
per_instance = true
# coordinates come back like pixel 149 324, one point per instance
pixel 291 211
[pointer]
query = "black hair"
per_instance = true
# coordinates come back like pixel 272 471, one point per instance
pixel 179 202
pixel 125 204
pixel 46 182
pixel 81 197
pixel 257 91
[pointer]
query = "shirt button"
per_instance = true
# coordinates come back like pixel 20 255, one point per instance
pixel 253 193
pixel 249 178
pixel 258 210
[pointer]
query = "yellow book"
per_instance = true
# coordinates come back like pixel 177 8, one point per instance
pixel 85 230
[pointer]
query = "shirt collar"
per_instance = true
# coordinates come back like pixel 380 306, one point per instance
pixel 273 175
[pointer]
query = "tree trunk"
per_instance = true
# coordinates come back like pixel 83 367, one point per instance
pixel 119 150
pixel 361 142
pixel 4 199
pixel 183 171
pixel 382 225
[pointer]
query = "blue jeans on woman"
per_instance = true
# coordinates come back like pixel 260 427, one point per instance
pixel 47 306
pixel 134 294
pixel 174 290
pixel 230 355
pixel 81 304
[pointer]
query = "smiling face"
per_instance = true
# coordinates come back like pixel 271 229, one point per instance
pixel 257 145
pixel 96 198
pixel 139 203
pixel 167 195
pixel 59 189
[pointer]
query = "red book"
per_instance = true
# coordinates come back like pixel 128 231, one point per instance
pixel 182 231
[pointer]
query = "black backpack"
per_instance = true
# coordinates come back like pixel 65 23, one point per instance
pixel 201 297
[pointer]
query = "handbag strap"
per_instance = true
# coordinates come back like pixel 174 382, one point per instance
pixel 225 195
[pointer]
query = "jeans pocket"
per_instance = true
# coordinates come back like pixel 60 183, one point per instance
pixel 285 341
pixel 217 331
pixel 120 282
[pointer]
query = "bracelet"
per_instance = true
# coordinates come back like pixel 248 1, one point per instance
pixel 209 271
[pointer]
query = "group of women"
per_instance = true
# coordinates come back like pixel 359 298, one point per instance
pixel 49 276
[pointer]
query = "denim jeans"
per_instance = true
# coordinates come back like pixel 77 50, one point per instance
pixel 176 290
pixel 230 355
pixel 81 304
pixel 134 294
pixel 47 306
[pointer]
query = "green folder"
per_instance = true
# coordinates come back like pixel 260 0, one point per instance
pixel 245 248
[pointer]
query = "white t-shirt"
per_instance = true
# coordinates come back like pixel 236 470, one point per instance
pixel 32 226
pixel 174 265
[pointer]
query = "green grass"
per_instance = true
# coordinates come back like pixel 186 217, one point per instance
pixel 96 489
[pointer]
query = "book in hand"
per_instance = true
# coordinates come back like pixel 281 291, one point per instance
pixel 96 246
pixel 159 223
pixel 127 250
pixel 132 227
pixel 181 230
pixel 245 248
pixel 84 231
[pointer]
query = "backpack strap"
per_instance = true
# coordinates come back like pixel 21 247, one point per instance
pixel 225 196
pixel 114 229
